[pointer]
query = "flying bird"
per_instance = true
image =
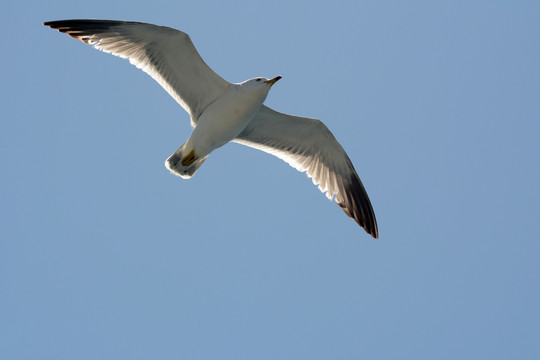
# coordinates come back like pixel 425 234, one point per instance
pixel 222 112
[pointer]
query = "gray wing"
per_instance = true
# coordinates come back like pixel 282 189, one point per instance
pixel 166 54
pixel 308 146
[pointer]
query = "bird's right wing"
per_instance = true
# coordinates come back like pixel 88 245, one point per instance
pixel 308 146
pixel 166 54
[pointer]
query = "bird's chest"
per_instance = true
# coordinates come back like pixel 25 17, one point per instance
pixel 224 119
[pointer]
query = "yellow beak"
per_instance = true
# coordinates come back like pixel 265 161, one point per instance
pixel 273 81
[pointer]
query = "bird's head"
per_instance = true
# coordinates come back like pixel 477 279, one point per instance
pixel 257 88
pixel 260 82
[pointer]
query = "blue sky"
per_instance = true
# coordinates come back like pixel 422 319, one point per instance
pixel 105 254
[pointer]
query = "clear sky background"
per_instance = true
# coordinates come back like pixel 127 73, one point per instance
pixel 106 255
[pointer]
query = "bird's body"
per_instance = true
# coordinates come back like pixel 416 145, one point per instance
pixel 221 122
pixel 222 112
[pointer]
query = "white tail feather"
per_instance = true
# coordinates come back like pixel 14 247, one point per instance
pixel 174 164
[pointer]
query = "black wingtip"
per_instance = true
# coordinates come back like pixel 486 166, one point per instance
pixel 49 24
pixel 356 204
pixel 82 29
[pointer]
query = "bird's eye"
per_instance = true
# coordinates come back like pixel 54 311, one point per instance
pixel 259 79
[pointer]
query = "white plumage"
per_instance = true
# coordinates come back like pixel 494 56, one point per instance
pixel 222 112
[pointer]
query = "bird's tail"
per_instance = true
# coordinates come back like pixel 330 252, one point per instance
pixel 175 163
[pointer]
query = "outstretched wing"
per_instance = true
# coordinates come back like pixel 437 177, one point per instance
pixel 166 54
pixel 308 146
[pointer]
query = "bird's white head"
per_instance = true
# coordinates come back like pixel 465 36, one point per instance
pixel 257 88
pixel 260 82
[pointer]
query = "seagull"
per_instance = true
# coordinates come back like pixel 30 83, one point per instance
pixel 222 112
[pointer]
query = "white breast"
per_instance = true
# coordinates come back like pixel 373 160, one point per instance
pixel 225 118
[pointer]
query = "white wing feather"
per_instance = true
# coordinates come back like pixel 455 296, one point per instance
pixel 166 54
pixel 308 146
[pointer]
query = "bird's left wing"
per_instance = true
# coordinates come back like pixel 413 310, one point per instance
pixel 166 54
pixel 308 146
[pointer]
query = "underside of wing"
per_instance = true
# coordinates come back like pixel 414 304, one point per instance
pixel 308 146
pixel 166 54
